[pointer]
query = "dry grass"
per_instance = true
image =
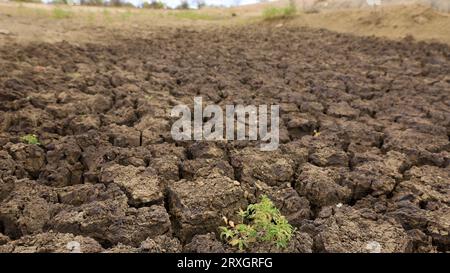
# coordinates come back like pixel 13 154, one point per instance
pixel 394 22
pixel 275 13
pixel 94 24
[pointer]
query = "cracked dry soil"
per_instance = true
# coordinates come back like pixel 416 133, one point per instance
pixel 107 176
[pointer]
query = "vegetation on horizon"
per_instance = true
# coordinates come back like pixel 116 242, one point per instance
pixel 155 4
pixel 274 13
pixel 27 1
pixel 193 15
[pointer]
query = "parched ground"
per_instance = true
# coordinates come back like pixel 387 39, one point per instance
pixel 363 165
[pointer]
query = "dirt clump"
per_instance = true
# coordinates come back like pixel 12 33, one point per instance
pixel 52 243
pixel 199 205
pixel 350 230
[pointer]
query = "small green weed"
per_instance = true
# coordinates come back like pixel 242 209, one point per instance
pixel 30 139
pixel 126 15
pixel 59 13
pixel 261 222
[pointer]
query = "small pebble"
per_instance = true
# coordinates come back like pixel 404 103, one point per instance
pixel 74 247
pixel 5 32
pixel 373 247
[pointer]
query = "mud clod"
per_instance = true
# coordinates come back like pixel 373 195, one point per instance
pixel 141 186
pixel 321 186
pixel 199 205
pixel 350 230
pixel 52 242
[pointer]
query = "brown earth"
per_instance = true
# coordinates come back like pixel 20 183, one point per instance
pixel 363 165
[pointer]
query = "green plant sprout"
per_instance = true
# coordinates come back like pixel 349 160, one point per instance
pixel 261 222
pixel 30 139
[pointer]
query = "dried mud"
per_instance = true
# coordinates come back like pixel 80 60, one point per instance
pixel 363 164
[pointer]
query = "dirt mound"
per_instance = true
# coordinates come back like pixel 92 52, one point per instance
pixel 311 5
pixel 363 165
